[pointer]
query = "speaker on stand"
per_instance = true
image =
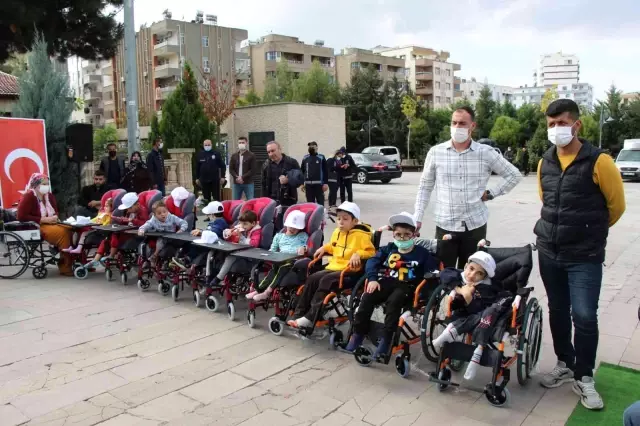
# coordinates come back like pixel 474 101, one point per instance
pixel 79 138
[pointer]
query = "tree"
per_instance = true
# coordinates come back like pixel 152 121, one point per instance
pixel 316 86
pixel 70 27
pixel 102 138
pixel 184 123
pixel 589 129
pixel 550 95
pixel 409 109
pixel 45 94
pixel 631 120
pixel 485 113
pixel 279 88
pixel 218 100
pixel 363 101
pixel 613 132
pixel 154 131
pixel 393 122
pixel 529 117
pixel 505 132
pixel 15 65
pixel 508 109
pixel 251 98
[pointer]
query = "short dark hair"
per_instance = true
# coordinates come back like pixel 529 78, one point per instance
pixel 242 138
pixel 157 139
pixel 312 143
pixel 404 226
pixel 112 144
pixel 99 173
pixel 560 106
pixel 468 110
pixel 157 205
pixel 248 216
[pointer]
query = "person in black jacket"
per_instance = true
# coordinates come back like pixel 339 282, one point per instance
pixel 136 178
pixel 346 168
pixel 112 166
pixel 91 196
pixel 332 179
pixel 210 172
pixel 281 176
pixel 155 164
pixel 314 169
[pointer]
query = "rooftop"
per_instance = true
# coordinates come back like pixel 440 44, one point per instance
pixel 8 85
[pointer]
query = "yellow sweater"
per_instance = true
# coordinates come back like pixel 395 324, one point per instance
pixel 102 219
pixel 344 244
pixel 607 176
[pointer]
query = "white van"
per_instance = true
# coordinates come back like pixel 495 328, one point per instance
pixel 628 160
pixel 391 152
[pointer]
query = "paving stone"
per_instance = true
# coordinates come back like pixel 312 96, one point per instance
pixel 10 416
pixel 216 387
pixel 169 407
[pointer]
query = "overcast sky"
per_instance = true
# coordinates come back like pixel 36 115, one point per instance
pixel 497 40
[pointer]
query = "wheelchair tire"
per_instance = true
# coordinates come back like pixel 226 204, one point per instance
pixel 429 321
pixel 40 272
pixel 80 272
pixel 12 242
pixel 530 341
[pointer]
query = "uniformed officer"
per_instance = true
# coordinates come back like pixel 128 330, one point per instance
pixel 314 169
pixel 210 172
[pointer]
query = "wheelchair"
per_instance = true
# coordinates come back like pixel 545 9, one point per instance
pixel 521 326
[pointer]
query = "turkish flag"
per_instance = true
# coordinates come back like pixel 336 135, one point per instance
pixel 23 152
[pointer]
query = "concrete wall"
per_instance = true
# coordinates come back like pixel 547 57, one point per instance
pixel 7 104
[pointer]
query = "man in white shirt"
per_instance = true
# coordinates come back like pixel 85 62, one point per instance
pixel 459 170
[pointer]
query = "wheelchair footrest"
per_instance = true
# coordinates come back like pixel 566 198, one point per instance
pixel 464 352
pixel 434 379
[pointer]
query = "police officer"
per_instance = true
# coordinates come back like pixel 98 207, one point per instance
pixel 314 169
pixel 346 168
pixel 332 174
pixel 210 172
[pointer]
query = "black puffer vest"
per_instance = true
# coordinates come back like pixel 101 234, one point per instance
pixel 574 222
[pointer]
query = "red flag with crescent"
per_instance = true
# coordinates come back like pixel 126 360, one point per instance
pixel 23 152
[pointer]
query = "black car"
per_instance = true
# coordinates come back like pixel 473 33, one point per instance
pixel 375 167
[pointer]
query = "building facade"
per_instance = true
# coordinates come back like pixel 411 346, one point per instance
pixel 266 53
pixel 557 68
pixel 630 97
pixel 94 76
pixel 428 73
pixel 351 59
pixel 581 93
pixel 471 89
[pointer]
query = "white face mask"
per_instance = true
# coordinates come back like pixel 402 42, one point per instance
pixel 242 146
pixel 459 134
pixel 560 135
pixel 44 189
pixel 160 145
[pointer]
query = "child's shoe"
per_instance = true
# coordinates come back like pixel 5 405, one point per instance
pixel 76 250
pixel 177 263
pixel 354 342
pixel 215 282
pixel 447 336
pixel 382 349
pixel 67 250
pixel 301 322
pixel 472 368
pixel 262 296
pixel 252 295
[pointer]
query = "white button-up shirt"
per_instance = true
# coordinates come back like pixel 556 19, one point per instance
pixel 460 180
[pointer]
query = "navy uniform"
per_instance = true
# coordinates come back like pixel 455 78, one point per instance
pixel 314 169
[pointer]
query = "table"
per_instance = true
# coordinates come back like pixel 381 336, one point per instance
pixel 265 255
pixel 114 228
pixel 223 246
pixel 182 236
pixel 76 226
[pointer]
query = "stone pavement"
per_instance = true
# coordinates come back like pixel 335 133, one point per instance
pixel 95 352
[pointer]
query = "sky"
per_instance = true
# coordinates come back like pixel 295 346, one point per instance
pixel 499 41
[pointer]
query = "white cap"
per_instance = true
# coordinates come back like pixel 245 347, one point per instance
pixel 128 200
pixel 295 219
pixel 207 237
pixel 403 218
pixel 485 260
pixel 213 207
pixel 179 193
pixel 350 207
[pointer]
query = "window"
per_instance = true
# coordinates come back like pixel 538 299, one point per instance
pixel 448 86
pixel 438 99
pixel 437 84
pixel 564 87
pixel 448 100
pixel 389 151
pixel 569 62
pixel 437 71
pixel 355 65
pixel 472 93
pixel 205 62
pixel 205 41
pixel 271 56
pixel 448 73
pixel 182 38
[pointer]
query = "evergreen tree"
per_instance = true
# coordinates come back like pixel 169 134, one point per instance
pixel 184 123
pixel 393 122
pixel 279 88
pixel 508 109
pixel 316 86
pixel 529 117
pixel 45 94
pixel 485 113
pixel 154 132
pixel 613 133
pixel 505 132
pixel 363 101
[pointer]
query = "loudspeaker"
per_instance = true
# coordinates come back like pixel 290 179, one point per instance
pixel 80 139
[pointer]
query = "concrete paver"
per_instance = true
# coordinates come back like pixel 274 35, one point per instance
pixel 96 352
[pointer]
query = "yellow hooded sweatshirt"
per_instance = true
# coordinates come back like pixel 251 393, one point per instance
pixel 344 244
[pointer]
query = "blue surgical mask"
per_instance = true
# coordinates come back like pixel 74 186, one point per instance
pixel 207 148
pixel 404 245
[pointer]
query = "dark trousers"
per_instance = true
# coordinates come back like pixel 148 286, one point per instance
pixel 210 191
pixel 463 245
pixel 346 184
pixel 275 276
pixel 333 193
pixel 573 290
pixel 395 294
pixel 161 187
pixel 314 193
pixel 316 288
pixel 482 324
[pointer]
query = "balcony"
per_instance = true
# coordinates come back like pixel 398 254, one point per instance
pixel 96 110
pixel 424 62
pixel 166 48
pixel 456 67
pixel 166 71
pixel 92 80
pixel 91 94
pixel 458 94
pixel 162 93
pixel 424 75
pixel 423 90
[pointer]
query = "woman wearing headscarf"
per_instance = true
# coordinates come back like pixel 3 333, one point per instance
pixel 136 178
pixel 39 205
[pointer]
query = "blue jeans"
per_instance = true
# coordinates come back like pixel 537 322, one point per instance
pixel 631 416
pixel 573 290
pixel 246 188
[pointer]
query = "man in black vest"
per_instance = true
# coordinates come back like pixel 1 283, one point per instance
pixel 582 196
pixel 314 168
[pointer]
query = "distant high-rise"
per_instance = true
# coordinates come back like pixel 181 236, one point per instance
pixel 557 68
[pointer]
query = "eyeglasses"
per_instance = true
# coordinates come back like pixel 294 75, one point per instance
pixel 402 237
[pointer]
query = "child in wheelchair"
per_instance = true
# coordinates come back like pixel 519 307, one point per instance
pixel 293 240
pixel 392 274
pixel 162 221
pixel 103 218
pixel 350 245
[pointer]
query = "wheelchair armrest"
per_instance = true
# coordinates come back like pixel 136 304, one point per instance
pixel 431 275
pixel 302 263
pixel 524 291
pixel 18 224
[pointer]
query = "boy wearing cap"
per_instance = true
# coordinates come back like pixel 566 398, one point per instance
pixel 350 244
pixel 294 241
pixel 476 306
pixel 391 275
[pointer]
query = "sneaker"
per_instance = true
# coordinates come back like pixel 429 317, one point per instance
pixel 354 342
pixel 589 396
pixel 251 295
pixel 557 377
pixel 382 349
pixel 178 263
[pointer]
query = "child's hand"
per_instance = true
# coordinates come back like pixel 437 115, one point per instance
pixel 384 228
pixel 446 237
pixel 373 286
pixel 302 250
pixel 140 232
pixel 354 262
pixel 319 253
pixel 467 292
pixel 196 232
pixel 226 233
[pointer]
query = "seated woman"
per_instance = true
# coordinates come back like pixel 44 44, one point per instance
pixel 39 205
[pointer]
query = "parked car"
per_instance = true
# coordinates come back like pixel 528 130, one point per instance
pixel 375 167
pixel 491 143
pixel 628 161
pixel 391 152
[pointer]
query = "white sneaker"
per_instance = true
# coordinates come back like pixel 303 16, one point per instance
pixel 589 396
pixel 557 377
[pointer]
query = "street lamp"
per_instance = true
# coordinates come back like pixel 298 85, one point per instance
pixel 602 123
pixel 366 127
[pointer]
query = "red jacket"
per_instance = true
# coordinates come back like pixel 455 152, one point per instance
pixel 255 235
pixel 29 207
pixel 141 217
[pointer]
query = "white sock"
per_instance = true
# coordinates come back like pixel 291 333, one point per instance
pixel 448 335
pixel 472 368
pixel 303 322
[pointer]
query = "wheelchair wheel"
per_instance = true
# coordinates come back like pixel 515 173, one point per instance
pixel 40 272
pixel 356 295
pixel 444 375
pixel 403 367
pixel 363 356
pixel 433 322
pixel 530 341
pixel 500 399
pixel 14 255
pixel 80 272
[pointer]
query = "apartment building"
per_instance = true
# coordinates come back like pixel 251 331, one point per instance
pixel 581 93
pixel 428 72
pixel 470 89
pixel 93 75
pixel 557 68
pixel 272 49
pixel 351 59
pixel 630 97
